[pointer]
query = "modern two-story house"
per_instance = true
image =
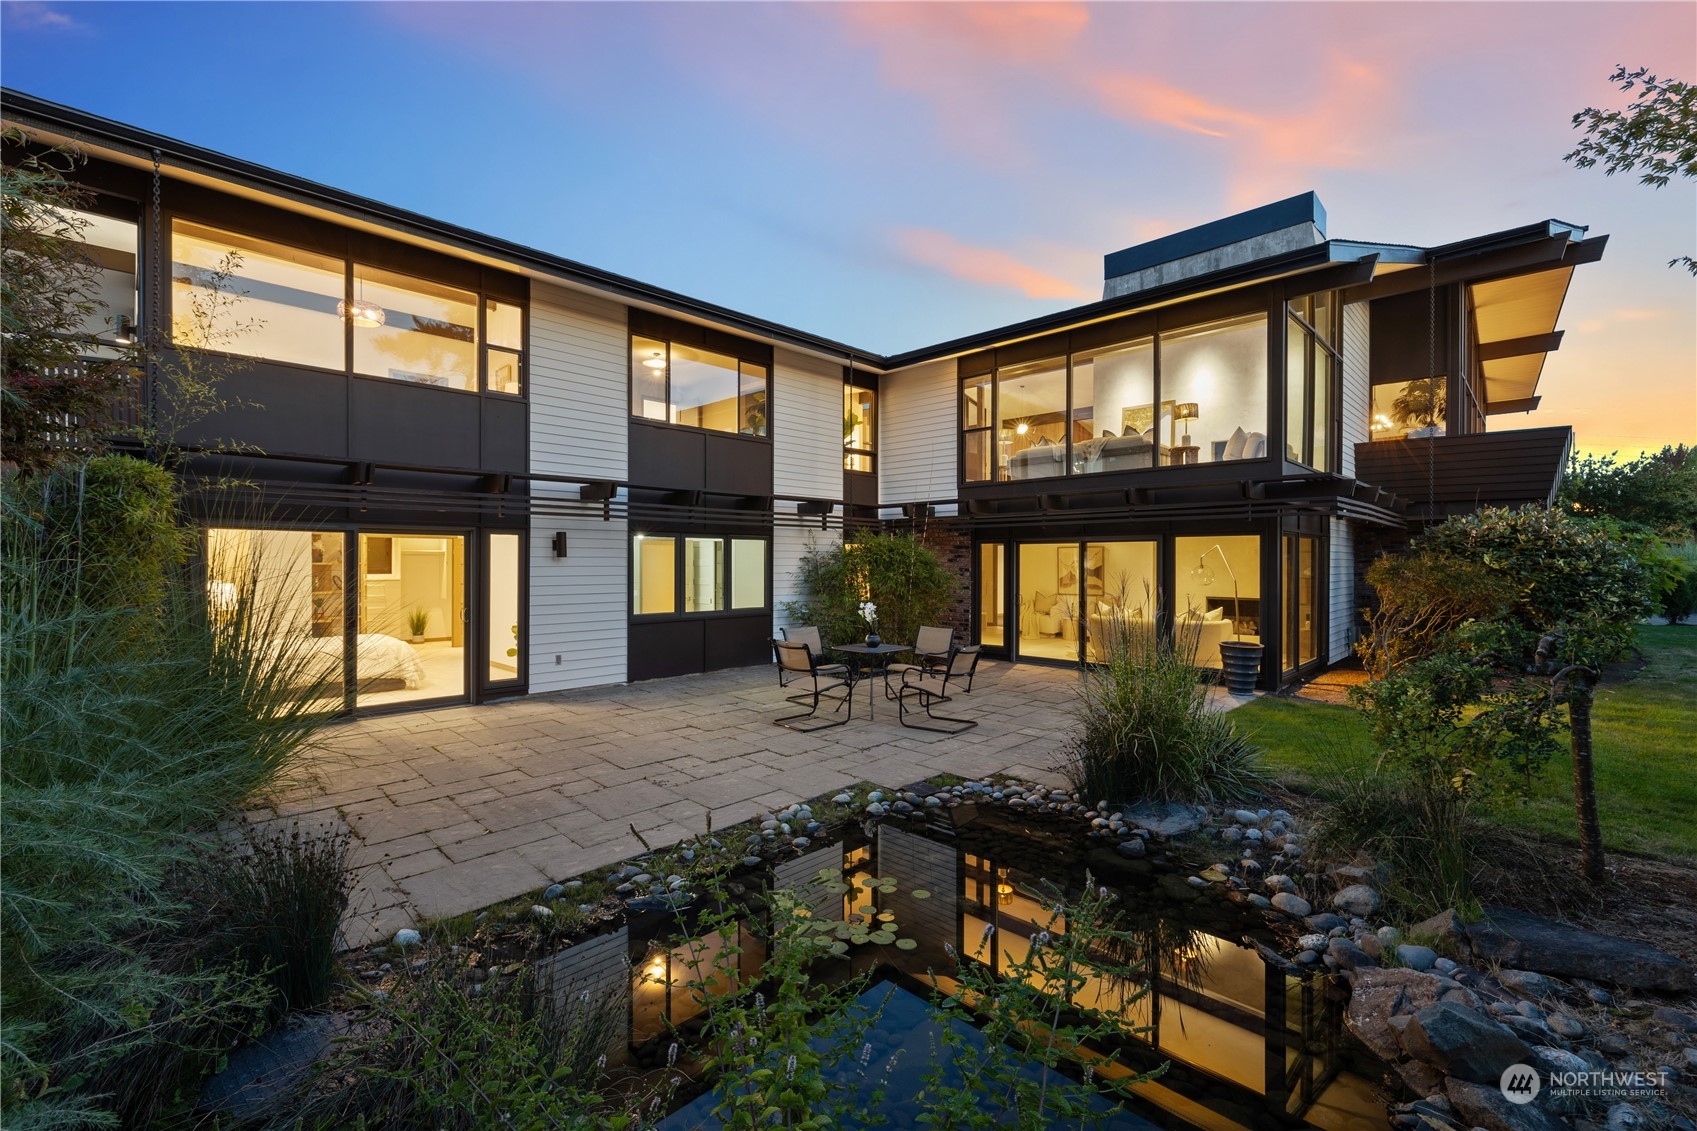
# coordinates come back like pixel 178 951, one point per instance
pixel 473 469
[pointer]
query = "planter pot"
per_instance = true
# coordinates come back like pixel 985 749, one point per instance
pixel 418 638
pixel 1240 660
pixel 873 640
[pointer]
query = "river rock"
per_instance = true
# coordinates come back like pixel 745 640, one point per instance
pixel 1169 819
pixel 1356 899
pixel 406 937
pixel 1277 883
pixel 1462 1043
pixel 1326 922
pixel 1349 956
pixel 1530 942
pixel 1293 905
pixel 1527 984
pixel 1416 957
pixel 1132 847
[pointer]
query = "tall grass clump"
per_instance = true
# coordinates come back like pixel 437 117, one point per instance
pixel 1144 727
pixel 133 721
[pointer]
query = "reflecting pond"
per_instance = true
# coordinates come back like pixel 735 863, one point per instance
pixel 1247 1046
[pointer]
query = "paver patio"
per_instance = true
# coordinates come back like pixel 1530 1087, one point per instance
pixel 455 809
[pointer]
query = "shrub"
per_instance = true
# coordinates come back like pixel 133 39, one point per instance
pixel 1145 730
pixel 1563 568
pixel 896 572
pixel 1423 598
pixel 281 894
pixel 122 751
pixel 1680 598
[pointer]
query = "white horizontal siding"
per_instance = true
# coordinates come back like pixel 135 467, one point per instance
pixel 1345 624
pixel 807 433
pixel 579 381
pixel 916 433
pixel 577 603
pixel 789 545
pixel 1357 391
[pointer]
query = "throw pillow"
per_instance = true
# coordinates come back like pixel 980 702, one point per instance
pixel 1235 444
pixel 1044 603
pixel 1214 616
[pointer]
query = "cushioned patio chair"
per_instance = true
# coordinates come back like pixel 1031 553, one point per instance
pixel 930 652
pixel 809 635
pixel 798 660
pixel 921 690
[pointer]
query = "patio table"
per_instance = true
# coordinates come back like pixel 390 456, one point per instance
pixel 867 660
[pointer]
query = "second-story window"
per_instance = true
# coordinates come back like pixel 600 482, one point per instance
pixel 1311 369
pixel 860 428
pixel 243 295
pixel 696 387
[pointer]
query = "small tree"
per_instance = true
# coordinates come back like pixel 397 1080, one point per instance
pixel 55 400
pixel 1656 492
pixel 896 572
pixel 1655 136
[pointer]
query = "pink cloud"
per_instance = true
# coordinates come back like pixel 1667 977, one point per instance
pixel 982 265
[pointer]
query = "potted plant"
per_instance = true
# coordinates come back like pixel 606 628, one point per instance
pixel 869 613
pixel 418 620
pixel 1240 659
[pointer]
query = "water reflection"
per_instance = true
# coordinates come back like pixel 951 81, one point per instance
pixel 1248 1046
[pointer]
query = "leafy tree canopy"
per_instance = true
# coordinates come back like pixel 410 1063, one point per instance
pixel 1657 492
pixel 1655 136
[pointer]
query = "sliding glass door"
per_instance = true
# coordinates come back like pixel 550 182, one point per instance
pixel 1071 592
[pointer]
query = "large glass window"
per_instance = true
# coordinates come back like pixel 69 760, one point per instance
pixel 1120 589
pixel 1214 391
pixel 249 296
pixel 748 573
pixel 718 574
pixel 503 325
pixel 252 297
pixel 108 247
pixel 503 608
pixel 698 388
pixel 976 420
pixel 412 618
pixel 1217 592
pixel 1031 426
pixel 1409 409
pixel 860 427
pixel 1311 370
pixel 1113 409
pixel 992 594
pixel 654 575
pixel 412 330
pixel 704 575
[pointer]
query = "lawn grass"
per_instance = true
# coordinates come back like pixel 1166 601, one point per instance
pixel 1645 731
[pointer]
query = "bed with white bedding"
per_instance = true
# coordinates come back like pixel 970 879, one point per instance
pixel 379 657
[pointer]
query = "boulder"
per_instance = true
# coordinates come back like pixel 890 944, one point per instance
pixel 1356 899
pixel 1421 1079
pixel 1484 1105
pixel 1380 995
pixel 1462 1043
pixel 1447 928
pixel 1530 942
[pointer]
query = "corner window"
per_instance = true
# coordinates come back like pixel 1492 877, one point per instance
pixel 860 428
pixel 673 574
pixel 697 388
pixel 503 352
pixel 1311 371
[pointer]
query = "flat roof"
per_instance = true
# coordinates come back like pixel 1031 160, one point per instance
pixel 1303 208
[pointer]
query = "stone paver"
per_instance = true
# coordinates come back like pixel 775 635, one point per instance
pixel 455 809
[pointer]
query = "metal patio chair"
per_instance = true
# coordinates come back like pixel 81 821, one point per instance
pixel 809 635
pixel 927 689
pixel 798 660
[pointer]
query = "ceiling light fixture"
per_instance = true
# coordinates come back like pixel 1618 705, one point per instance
pixel 654 361
pixel 362 313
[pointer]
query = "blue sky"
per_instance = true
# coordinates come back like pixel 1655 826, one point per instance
pixel 894 175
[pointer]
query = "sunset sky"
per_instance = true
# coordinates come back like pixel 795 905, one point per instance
pixel 895 175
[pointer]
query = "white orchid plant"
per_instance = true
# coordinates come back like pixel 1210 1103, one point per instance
pixel 869 613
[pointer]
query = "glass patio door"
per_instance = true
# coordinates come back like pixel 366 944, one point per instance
pixel 411 643
pixel 1301 601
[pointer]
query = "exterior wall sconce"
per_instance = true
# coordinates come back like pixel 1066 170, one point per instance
pixel 559 543
pixel 126 332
